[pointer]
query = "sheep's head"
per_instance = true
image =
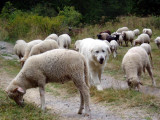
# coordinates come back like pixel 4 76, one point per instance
pixel 99 36
pixel 22 61
pixel 124 36
pixel 16 93
pixel 133 83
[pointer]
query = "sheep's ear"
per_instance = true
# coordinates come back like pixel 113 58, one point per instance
pixel 19 89
pixel 109 50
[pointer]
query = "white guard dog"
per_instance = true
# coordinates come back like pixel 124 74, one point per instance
pixel 96 53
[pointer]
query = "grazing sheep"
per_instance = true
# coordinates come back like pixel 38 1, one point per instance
pixel 57 65
pixel 120 30
pixel 142 38
pixel 19 48
pixel 28 49
pixel 148 49
pixel 147 31
pixel 110 37
pixel 64 41
pixel 136 32
pixel 113 47
pixel 157 41
pixel 106 31
pixel 134 62
pixel 96 53
pixel 102 36
pixel 52 36
pixel 43 46
pixel 128 36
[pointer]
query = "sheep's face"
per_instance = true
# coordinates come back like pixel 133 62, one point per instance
pixel 99 36
pixel 124 36
pixel 100 54
pixel 133 83
pixel 17 95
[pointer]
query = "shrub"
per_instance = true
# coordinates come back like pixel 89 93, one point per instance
pixel 71 16
pixel 156 22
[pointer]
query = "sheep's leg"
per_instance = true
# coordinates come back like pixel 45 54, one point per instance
pixel 42 97
pixel 151 74
pixel 84 93
pixel 126 43
pixel 151 60
pixel 131 42
pixel 81 104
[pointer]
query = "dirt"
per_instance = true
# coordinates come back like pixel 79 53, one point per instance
pixel 67 108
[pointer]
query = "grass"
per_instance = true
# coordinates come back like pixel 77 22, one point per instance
pixel 10 66
pixel 10 111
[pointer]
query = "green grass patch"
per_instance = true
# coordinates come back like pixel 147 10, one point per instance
pixel 9 110
pixel 10 66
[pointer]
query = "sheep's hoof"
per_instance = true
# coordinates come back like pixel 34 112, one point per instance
pixel 80 111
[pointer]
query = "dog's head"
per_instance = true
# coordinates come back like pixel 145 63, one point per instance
pixel 100 53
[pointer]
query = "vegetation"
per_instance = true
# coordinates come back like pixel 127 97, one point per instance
pixel 10 111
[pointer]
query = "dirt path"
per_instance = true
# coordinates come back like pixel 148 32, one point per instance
pixel 67 107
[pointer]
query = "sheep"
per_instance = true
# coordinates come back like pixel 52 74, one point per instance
pixel 52 36
pixel 106 31
pixel 102 36
pixel 113 47
pixel 19 48
pixel 43 46
pixel 128 36
pixel 28 49
pixel 120 30
pixel 157 41
pixel 136 32
pixel 64 41
pixel 110 37
pixel 142 38
pixel 134 62
pixel 147 31
pixel 148 49
pixel 96 53
pixel 77 45
pixel 57 65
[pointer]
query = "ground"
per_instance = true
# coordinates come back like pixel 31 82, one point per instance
pixel 67 107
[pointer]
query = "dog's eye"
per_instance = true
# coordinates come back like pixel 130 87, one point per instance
pixel 97 51
pixel 103 51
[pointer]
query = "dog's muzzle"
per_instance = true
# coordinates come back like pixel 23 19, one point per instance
pixel 101 60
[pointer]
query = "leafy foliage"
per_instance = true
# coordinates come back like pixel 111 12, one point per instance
pixel 72 17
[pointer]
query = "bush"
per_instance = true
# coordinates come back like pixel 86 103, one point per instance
pixel 156 22
pixel 28 25
pixel 7 10
pixel 71 16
